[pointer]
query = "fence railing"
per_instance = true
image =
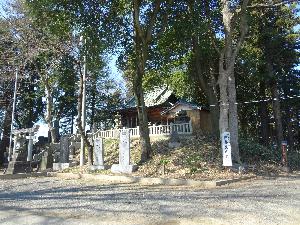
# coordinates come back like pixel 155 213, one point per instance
pixel 159 130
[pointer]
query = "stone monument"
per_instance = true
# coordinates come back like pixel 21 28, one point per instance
pixel 174 141
pixel 64 149
pixel 98 163
pixel 124 165
pixel 63 154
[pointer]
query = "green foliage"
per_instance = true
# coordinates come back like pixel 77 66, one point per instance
pixel 30 104
pixel 99 25
pixel 104 97
pixel 294 159
pixel 164 161
pixel 194 163
pixel 252 152
pixel 272 40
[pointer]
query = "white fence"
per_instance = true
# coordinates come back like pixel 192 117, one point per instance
pixel 160 130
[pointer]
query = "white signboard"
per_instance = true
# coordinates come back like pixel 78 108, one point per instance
pixel 226 149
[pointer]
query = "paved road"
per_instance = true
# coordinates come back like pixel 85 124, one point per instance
pixel 56 201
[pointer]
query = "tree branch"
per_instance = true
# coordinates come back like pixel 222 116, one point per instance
pixel 277 4
pixel 165 19
pixel 79 108
pixel 152 21
pixel 243 30
pixel 211 33
pixel 136 19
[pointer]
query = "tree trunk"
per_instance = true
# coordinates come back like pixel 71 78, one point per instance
pixel 224 103
pixel 93 106
pixel 72 124
pixel 288 115
pixel 290 130
pixel 207 85
pixel 277 114
pixel 263 114
pixel 49 103
pixel 226 71
pixel 92 119
pixel 233 119
pixel 49 109
pixel 276 103
pixel 142 38
pixel 79 124
pixel 143 121
pixel 6 126
pixel 215 113
pixel 140 103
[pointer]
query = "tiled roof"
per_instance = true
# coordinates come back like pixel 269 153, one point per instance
pixel 181 102
pixel 157 96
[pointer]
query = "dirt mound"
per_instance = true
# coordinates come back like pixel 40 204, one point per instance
pixel 198 157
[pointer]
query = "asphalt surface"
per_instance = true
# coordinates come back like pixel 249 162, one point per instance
pixel 51 200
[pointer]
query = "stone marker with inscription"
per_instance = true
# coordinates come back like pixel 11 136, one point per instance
pixel 124 155
pixel 64 149
pixel 98 163
pixel 64 154
pixel 226 149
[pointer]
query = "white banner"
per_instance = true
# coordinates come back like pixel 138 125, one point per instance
pixel 226 149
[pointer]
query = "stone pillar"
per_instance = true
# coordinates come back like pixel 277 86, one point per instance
pixel 124 154
pixel 64 149
pixel 30 146
pixel 44 161
pixel 174 141
pixel 17 143
pixel 63 154
pixel 98 155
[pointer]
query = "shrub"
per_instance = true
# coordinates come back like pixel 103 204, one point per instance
pixel 294 159
pixel 251 151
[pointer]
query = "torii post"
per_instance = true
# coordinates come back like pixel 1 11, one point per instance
pixel 30 138
pixel 30 146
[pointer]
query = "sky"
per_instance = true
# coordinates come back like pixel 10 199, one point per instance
pixel 2 3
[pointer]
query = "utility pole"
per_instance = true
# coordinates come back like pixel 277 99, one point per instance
pixel 83 110
pixel 13 116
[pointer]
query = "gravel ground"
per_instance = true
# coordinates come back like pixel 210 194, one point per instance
pixel 56 201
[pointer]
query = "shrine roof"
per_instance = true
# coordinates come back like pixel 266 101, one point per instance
pixel 155 97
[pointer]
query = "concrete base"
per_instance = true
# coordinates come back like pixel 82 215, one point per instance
pixel 117 168
pixel 99 167
pixel 60 166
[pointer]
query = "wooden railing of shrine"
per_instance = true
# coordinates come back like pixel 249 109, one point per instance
pixel 160 130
